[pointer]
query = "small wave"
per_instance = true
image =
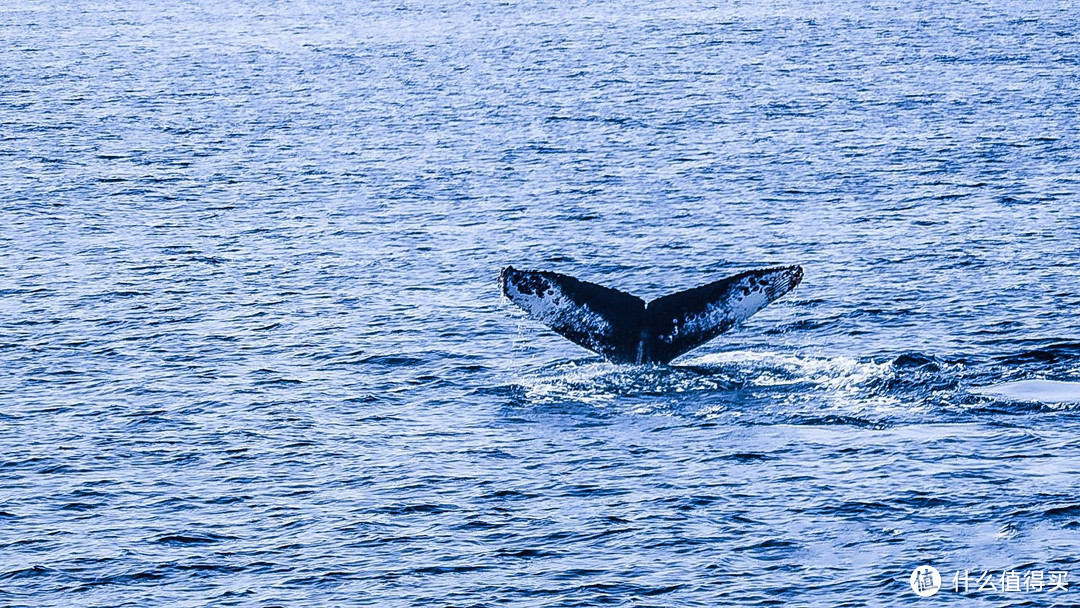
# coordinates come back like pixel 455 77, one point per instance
pixel 524 553
pixel 836 420
pixel 196 538
pixel 745 457
pixel 416 509
pixel 1071 510
pixel 448 569
pixel 31 572
pixel 1045 352
pixel 392 360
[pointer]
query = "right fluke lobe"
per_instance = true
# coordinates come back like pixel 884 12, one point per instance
pixel 622 328
pixel 682 321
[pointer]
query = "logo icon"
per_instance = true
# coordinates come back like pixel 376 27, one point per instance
pixel 925 581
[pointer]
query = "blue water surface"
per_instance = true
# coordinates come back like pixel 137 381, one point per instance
pixel 253 350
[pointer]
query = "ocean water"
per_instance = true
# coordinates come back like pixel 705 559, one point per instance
pixel 253 350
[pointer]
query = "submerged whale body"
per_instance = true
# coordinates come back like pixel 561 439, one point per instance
pixel 624 329
pixel 1034 391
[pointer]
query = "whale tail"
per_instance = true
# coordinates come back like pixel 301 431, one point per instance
pixel 624 329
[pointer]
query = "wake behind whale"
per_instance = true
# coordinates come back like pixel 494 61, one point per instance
pixel 625 329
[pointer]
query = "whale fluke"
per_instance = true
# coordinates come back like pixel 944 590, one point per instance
pixel 624 329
